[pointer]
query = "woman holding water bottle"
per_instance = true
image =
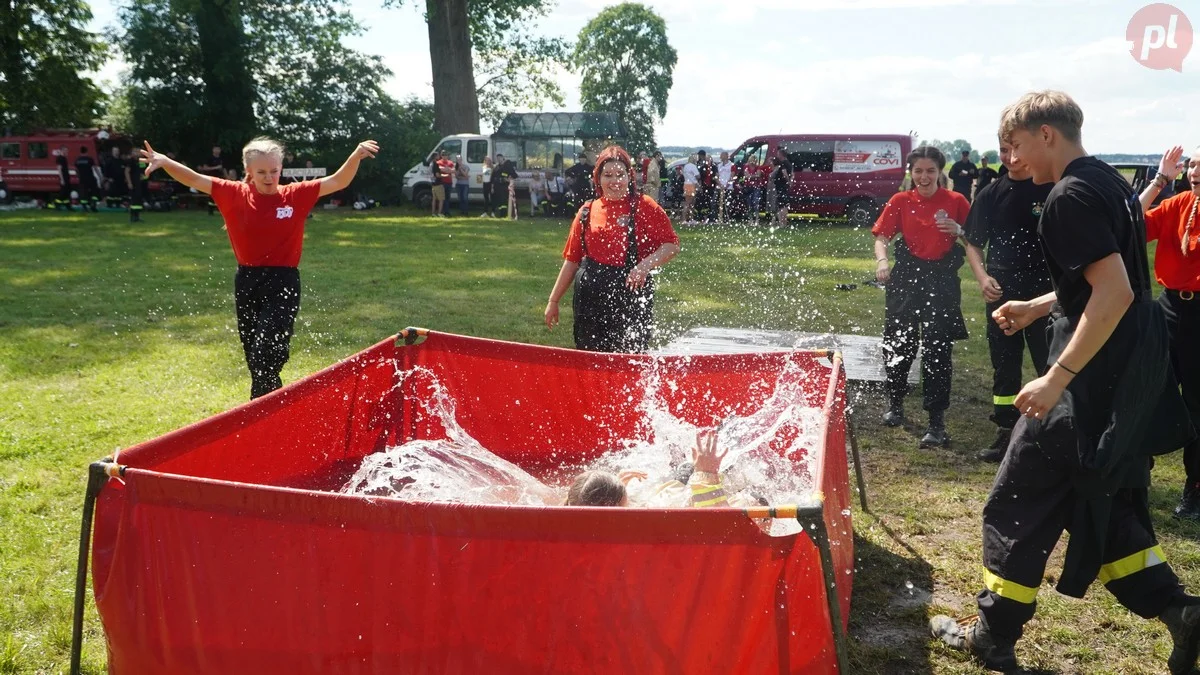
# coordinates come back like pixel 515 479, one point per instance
pixel 924 298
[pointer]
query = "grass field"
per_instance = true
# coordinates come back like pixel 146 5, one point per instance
pixel 111 334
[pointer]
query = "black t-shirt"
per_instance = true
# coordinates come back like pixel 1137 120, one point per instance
pixel 783 174
pixel 63 171
pixel 986 176
pixel 1090 214
pixel 217 162
pixel 83 169
pixel 963 173
pixel 1004 218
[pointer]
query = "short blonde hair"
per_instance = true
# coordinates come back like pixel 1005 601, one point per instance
pixel 262 146
pixel 1037 108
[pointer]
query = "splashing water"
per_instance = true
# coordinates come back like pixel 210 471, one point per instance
pixel 768 454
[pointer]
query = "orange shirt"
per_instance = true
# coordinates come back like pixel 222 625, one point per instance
pixel 912 216
pixel 607 236
pixel 1166 223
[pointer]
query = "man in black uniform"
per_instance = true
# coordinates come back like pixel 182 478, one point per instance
pixel 85 172
pixel 133 183
pixel 215 167
pixel 64 180
pixel 963 174
pixel 1004 218
pixel 1080 456
pixel 114 177
pixel 579 180
pixel 986 175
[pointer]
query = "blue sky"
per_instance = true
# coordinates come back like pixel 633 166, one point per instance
pixel 941 68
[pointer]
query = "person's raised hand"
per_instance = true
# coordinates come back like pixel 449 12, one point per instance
pixel 705 457
pixel 366 150
pixel 551 314
pixel 1170 165
pixel 1014 315
pixel 154 160
pixel 626 477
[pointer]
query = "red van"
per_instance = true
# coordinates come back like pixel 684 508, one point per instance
pixel 837 175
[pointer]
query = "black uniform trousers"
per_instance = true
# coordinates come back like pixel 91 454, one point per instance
pixel 267 301
pixel 922 310
pixel 1030 505
pixel 1183 327
pixel 1008 351
pixel 609 317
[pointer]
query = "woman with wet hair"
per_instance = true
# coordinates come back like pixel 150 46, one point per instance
pixel 265 221
pixel 701 477
pixel 923 306
pixel 614 244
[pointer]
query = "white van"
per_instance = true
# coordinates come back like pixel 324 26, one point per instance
pixel 473 148
pixel 542 141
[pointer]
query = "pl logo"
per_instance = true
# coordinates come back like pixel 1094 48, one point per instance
pixel 1161 37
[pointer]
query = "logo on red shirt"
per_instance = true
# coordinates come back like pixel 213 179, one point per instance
pixel 283 212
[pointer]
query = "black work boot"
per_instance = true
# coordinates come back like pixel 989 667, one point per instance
pixel 971 635
pixel 1182 618
pixel 894 417
pixel 1189 503
pixel 936 436
pixel 995 453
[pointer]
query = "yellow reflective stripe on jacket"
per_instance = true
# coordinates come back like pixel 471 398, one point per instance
pixel 1009 589
pixel 1004 400
pixel 1132 564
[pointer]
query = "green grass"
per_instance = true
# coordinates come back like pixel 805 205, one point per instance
pixel 111 334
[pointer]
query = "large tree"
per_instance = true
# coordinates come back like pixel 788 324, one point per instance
pixel 627 65
pixel 191 82
pixel 486 61
pixel 45 50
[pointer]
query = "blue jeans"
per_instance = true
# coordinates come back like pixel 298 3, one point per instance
pixel 464 191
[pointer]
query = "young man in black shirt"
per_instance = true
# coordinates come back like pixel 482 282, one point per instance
pixel 1004 219
pixel 89 190
pixel 963 174
pixel 1080 456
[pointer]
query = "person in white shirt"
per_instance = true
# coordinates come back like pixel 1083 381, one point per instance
pixel 556 192
pixel 691 178
pixel 537 191
pixel 725 182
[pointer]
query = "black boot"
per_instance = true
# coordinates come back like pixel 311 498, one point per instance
pixel 936 436
pixel 1189 503
pixel 971 635
pixel 995 453
pixel 894 417
pixel 1182 618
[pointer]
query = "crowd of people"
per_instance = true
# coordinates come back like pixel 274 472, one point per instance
pixel 1057 243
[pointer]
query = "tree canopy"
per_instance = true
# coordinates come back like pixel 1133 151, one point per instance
pixel 45 53
pixel 627 63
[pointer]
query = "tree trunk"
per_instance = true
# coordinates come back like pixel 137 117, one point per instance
pixel 228 90
pixel 455 103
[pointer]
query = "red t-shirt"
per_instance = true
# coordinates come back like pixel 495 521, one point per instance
pixel 912 216
pixel 447 171
pixel 265 230
pixel 608 238
pixel 1166 223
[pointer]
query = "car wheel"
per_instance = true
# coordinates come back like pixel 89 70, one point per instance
pixel 423 197
pixel 862 212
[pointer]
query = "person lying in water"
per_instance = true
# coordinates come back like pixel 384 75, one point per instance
pixel 702 477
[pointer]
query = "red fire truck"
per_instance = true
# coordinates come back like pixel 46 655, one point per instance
pixel 27 166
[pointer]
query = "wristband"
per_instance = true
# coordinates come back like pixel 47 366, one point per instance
pixel 881 260
pixel 1060 365
pixel 1165 181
